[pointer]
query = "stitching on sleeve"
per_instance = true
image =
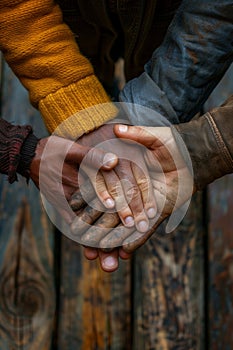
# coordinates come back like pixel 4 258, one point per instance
pixel 221 144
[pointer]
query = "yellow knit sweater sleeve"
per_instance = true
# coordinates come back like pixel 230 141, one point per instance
pixel 42 52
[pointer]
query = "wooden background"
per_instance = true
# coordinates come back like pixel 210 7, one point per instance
pixel 175 294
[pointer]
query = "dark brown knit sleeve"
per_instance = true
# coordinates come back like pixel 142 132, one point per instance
pixel 17 148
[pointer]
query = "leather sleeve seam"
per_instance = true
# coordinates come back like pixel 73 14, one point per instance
pixel 220 142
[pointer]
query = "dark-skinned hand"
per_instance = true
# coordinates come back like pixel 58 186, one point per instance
pixel 167 168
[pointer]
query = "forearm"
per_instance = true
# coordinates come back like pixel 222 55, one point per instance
pixel 43 53
pixel 209 141
pixel 193 57
pixel 17 148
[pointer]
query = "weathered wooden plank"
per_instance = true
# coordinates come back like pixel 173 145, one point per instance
pixel 220 245
pixel 95 307
pixel 221 264
pixel 27 294
pixel 162 309
pixel 0 77
pixel 168 288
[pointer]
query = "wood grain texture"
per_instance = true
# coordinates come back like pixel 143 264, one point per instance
pixel 27 294
pixel 95 307
pixel 219 301
pixel 168 288
pixel 154 301
pixel 221 264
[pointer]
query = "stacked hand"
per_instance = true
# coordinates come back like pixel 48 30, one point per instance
pixel 54 169
pixel 58 181
pixel 141 184
pixel 125 181
pixel 172 186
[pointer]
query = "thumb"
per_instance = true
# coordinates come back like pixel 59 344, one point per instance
pixel 94 157
pixel 139 134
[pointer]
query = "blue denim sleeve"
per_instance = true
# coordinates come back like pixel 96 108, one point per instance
pixel 183 71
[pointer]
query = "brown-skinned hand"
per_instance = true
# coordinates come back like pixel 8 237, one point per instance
pixel 54 168
pixel 166 167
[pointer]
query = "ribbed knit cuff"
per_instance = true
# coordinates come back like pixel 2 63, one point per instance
pixel 84 106
pixel 27 153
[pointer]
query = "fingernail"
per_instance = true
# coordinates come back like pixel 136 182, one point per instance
pixel 129 221
pixel 109 159
pixel 142 226
pixel 109 203
pixel 123 128
pixel 151 212
pixel 109 262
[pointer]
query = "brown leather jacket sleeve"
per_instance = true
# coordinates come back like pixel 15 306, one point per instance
pixel 209 141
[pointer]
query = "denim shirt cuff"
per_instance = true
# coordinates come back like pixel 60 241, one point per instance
pixel 145 92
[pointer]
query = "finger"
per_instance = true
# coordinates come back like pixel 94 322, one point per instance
pixel 136 239
pixel 116 237
pixel 61 207
pixel 86 218
pixel 101 190
pixel 135 133
pixel 79 199
pixel 124 194
pixel 123 255
pixel 99 159
pixel 102 226
pixel 132 194
pixel 144 183
pixel 109 261
pixel 91 253
pixel 93 157
pixel 115 189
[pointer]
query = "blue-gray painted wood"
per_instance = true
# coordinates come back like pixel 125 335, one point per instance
pixel 27 292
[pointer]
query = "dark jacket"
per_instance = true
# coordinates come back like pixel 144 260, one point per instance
pixel 108 29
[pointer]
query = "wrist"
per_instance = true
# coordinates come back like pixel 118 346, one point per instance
pixel 27 153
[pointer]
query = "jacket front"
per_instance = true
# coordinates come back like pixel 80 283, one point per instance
pixel 106 30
